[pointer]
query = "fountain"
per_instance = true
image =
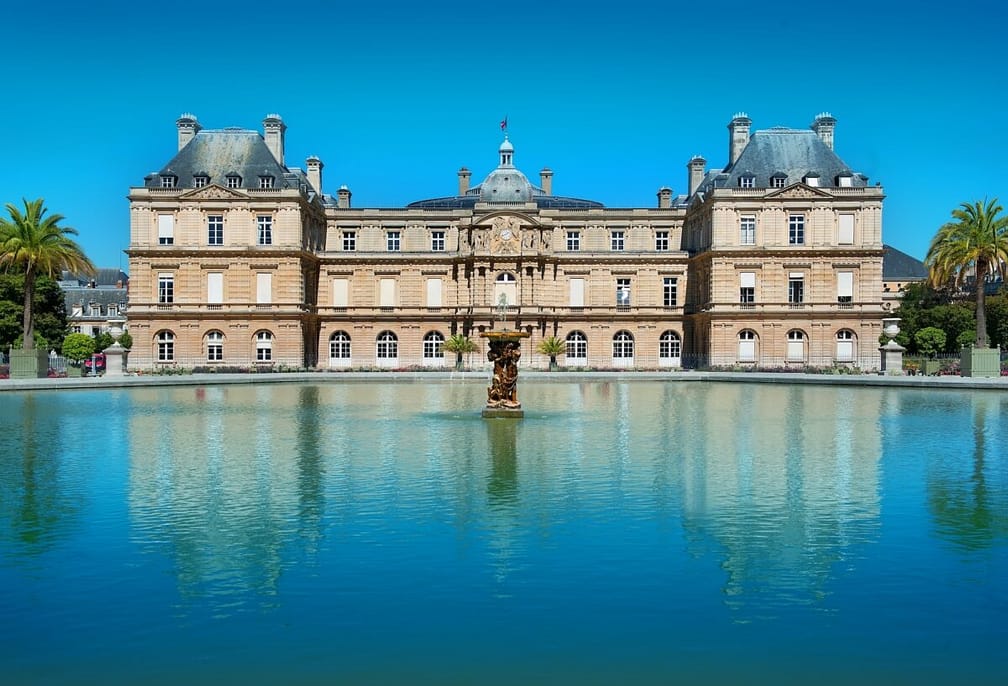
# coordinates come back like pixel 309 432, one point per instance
pixel 504 352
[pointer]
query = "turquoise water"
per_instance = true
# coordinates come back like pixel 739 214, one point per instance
pixel 637 532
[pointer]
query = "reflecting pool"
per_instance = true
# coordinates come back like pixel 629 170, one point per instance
pixel 622 532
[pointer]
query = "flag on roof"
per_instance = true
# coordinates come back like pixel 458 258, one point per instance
pixel 504 123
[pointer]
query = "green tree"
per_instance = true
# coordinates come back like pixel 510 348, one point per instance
pixel 125 340
pixel 78 346
pixel 552 346
pixel 975 246
pixel 103 340
pixel 997 319
pixel 49 309
pixel 930 340
pixel 460 344
pixel 34 244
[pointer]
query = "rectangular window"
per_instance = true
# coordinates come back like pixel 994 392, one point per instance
pixel 96 310
pixel 112 310
pixel 265 182
pixel 796 288
pixel 392 241
pixel 386 294
pixel 778 182
pixel 349 241
pixel 747 288
pixel 661 241
pixel 573 241
pixel 264 223
pixel 167 182
pixel 622 294
pixel 166 288
pixel 616 240
pixel 670 291
pixel 215 229
pixel 845 289
pixel 166 229
pixel 796 229
pixel 433 293
pixel 845 229
pixel 264 289
pixel 747 182
pixel 234 182
pixel 437 241
pixel 341 294
pixel 200 181
pixel 215 288
pixel 577 289
pixel 747 230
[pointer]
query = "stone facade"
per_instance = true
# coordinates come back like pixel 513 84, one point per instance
pixel 238 260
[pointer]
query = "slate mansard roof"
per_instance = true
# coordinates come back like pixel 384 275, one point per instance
pixel 792 153
pixel 220 153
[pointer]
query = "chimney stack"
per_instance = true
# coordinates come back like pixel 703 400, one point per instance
pixel 546 180
pixel 314 166
pixel 664 198
pixel 463 176
pixel 273 133
pixel 696 173
pixel 738 138
pixel 343 198
pixel 188 127
pixel 823 126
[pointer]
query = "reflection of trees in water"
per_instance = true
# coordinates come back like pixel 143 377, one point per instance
pixel 968 497
pixel 34 498
pixel 229 471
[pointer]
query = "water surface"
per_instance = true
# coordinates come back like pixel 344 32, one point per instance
pixel 632 532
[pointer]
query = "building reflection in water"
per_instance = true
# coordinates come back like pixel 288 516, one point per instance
pixel 778 484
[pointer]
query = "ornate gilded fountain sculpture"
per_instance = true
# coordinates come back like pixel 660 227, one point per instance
pixel 504 352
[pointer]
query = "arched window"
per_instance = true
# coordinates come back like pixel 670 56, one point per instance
pixel 577 349
pixel 623 349
pixel 264 346
pixel 387 348
pixel 432 346
pixel 846 344
pixel 507 286
pixel 747 346
pixel 795 346
pixel 165 346
pixel 339 349
pixel 670 349
pixel 214 346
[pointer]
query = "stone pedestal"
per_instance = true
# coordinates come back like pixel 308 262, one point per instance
pixel 892 358
pixel 115 360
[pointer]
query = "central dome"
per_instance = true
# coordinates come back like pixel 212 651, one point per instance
pixel 505 185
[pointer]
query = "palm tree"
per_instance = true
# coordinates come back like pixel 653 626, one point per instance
pixel 459 344
pixel 552 346
pixel 34 244
pixel 976 244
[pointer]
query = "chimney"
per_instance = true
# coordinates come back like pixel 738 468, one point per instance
pixel 546 180
pixel 664 198
pixel 314 166
pixel 738 136
pixel 696 173
pixel 273 132
pixel 823 126
pixel 343 198
pixel 463 175
pixel 188 127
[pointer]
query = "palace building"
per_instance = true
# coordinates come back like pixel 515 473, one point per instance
pixel 774 260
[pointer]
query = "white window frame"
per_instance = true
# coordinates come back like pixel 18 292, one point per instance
pixel 623 293
pixel 670 292
pixel 576 349
pixel 437 241
pixel 433 348
pixel 670 349
pixel 617 240
pixel 795 351
pixel 845 229
pixel 349 241
pixel 747 341
pixel 387 349
pixel 340 350
pixel 215 229
pixel 264 229
pixel 165 346
pixel 166 289
pixel 623 349
pixel 573 241
pixel 796 229
pixel 747 229
pixel 166 229
pixel 846 346
pixel 214 346
pixel 662 241
pixel 393 240
pixel 264 346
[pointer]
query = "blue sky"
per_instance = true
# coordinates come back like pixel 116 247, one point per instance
pixel 395 97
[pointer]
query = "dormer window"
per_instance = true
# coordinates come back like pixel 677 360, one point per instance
pixel 778 180
pixel 844 180
pixel 201 180
pixel 265 182
pixel 233 181
pixel 747 181
pixel 811 179
pixel 168 180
